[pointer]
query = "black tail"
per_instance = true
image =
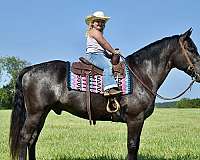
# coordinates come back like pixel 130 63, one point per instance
pixel 18 117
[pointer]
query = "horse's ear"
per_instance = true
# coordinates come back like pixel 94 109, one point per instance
pixel 186 34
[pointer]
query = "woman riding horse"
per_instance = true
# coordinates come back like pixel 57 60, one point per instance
pixel 98 50
pixel 43 87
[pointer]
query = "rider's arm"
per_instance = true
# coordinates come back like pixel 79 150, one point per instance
pixel 98 36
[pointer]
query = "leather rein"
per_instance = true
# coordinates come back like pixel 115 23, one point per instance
pixel 191 68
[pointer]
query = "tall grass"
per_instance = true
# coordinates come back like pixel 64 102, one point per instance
pixel 172 134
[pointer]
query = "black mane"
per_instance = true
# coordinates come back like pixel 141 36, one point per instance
pixel 153 49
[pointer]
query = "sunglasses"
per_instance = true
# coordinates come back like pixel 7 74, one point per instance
pixel 99 21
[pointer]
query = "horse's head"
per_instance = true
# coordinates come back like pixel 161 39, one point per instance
pixel 187 58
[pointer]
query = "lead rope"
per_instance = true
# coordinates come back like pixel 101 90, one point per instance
pixel 153 93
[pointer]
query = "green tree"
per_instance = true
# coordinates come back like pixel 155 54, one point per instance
pixel 10 67
pixel 5 98
pixel 188 103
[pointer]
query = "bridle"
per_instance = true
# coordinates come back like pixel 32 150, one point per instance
pixel 190 68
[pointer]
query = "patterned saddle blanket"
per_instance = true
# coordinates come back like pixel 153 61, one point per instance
pixel 82 75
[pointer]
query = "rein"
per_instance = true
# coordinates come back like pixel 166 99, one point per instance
pixel 190 67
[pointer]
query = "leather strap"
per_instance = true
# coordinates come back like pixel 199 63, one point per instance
pixel 191 65
pixel 88 98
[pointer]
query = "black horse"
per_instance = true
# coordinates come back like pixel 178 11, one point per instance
pixel 41 88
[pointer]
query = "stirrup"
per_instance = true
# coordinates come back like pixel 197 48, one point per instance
pixel 116 105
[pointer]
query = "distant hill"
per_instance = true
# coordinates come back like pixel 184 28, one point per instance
pixel 166 104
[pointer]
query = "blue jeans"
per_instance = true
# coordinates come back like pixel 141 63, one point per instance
pixel 99 60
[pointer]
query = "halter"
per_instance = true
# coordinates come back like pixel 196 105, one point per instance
pixel 191 68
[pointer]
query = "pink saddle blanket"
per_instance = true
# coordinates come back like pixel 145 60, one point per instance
pixel 80 83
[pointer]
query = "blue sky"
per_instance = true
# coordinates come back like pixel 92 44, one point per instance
pixel 39 31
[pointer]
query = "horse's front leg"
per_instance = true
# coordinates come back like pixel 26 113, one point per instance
pixel 134 125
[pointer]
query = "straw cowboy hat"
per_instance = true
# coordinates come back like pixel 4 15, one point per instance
pixel 96 16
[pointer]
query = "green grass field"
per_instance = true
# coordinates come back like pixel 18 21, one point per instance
pixel 172 134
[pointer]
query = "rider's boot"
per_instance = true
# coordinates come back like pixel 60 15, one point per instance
pixel 112 92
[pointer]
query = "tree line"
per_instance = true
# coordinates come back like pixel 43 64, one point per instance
pixel 10 67
pixel 182 103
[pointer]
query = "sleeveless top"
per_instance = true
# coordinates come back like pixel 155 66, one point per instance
pixel 93 46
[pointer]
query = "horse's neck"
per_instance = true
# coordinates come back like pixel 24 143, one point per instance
pixel 154 70
pixel 158 70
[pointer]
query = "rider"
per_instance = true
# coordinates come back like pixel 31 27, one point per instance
pixel 99 51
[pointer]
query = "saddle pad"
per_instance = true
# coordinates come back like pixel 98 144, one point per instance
pixel 79 82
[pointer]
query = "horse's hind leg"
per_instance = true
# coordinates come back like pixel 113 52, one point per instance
pixel 28 133
pixel 34 138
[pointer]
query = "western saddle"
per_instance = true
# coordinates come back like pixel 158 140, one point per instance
pixel 84 67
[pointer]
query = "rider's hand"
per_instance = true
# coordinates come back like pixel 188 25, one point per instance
pixel 116 57
pixel 117 51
